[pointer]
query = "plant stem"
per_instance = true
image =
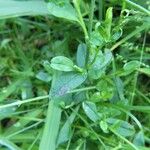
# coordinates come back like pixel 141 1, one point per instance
pixel 142 95
pixel 83 89
pixel 19 102
pixel 81 21
pixel 137 73
pixel 124 139
pixel 138 7
pixel 91 16
pixel 100 6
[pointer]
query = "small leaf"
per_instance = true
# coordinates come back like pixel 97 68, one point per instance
pixel 90 110
pixel 121 127
pixel 47 66
pixel 26 89
pixel 81 55
pixel 79 97
pixel 65 131
pixel 116 35
pixel 104 126
pixel 6 112
pixel 108 21
pixel 99 66
pixel 131 66
pixel 65 11
pixel 139 139
pixel 10 89
pixel 96 39
pixel 43 76
pixel 62 63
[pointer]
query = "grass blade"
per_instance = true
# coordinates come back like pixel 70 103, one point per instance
pixel 48 141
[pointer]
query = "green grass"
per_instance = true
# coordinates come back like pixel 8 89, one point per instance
pixel 74 75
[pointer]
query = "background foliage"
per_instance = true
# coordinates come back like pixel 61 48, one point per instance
pixel 74 75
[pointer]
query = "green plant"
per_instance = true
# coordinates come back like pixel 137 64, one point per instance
pixel 94 99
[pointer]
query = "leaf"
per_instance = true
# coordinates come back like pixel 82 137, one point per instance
pixel 99 66
pixel 65 131
pixel 79 97
pixel 104 126
pixel 47 66
pixel 65 11
pixel 26 89
pixel 13 8
pixel 65 82
pixel 145 71
pixel 81 55
pixel 116 34
pixel 108 21
pixel 121 127
pixel 62 63
pixel 90 110
pixel 10 89
pixel 96 39
pixel 131 66
pixel 43 76
pixel 51 128
pixel 120 89
pixel 6 112
pixel 139 139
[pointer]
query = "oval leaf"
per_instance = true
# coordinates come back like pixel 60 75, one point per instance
pixel 81 55
pixel 121 127
pixel 90 110
pixel 131 66
pixel 65 82
pixel 62 63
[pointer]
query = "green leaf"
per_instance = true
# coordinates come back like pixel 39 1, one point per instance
pixel 26 89
pixel 47 66
pixel 108 21
pixel 62 63
pixel 139 139
pixel 99 66
pixel 145 71
pixel 65 82
pixel 65 131
pixel 121 127
pixel 90 110
pixel 116 34
pixel 43 76
pixel 6 112
pixel 81 55
pixel 96 39
pixel 65 11
pixel 13 8
pixel 131 66
pixel 51 128
pixel 10 89
pixel 104 126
